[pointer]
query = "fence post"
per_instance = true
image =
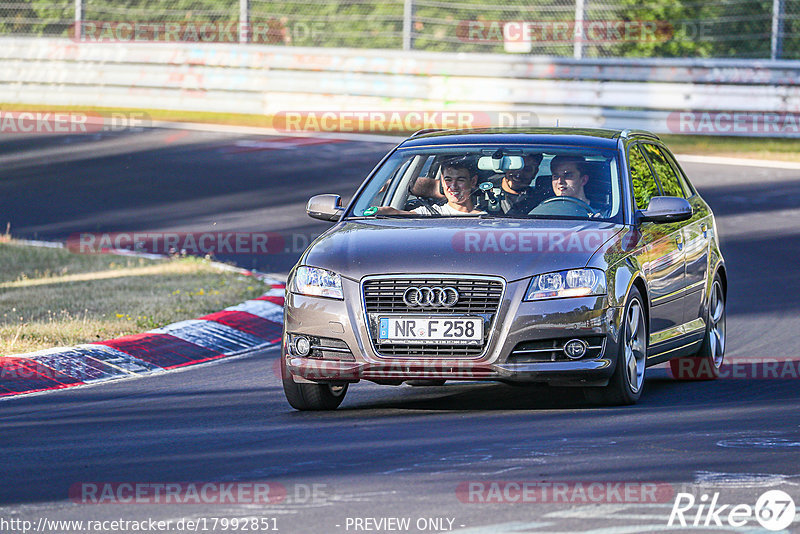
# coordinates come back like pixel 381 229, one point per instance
pixel 78 31
pixel 244 21
pixel 577 35
pixel 776 44
pixel 408 16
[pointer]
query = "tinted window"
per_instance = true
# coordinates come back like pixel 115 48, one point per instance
pixel 424 182
pixel 687 187
pixel 664 171
pixel 644 185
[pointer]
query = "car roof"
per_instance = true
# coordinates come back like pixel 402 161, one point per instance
pixel 593 137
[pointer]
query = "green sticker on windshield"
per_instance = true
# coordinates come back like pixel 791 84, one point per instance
pixel 372 210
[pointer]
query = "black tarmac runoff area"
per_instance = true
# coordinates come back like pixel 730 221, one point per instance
pixel 216 448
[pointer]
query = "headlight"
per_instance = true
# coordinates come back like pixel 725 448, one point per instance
pixel 572 283
pixel 317 282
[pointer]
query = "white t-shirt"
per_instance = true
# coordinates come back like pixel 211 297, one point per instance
pixel 444 209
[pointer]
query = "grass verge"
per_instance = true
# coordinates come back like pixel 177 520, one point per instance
pixel 709 145
pixel 51 297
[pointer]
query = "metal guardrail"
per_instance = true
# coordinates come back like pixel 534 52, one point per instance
pixel 683 70
pixel 269 79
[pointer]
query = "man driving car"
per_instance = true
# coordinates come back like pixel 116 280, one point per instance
pixel 569 177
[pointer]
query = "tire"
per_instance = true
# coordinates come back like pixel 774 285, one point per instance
pixel 706 364
pixel 626 384
pixel 315 397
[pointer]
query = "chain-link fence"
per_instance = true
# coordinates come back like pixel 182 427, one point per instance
pixel 567 28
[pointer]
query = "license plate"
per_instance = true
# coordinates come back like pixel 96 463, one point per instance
pixel 438 330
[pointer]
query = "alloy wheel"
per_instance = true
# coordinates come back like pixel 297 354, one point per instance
pixel 716 327
pixel 635 352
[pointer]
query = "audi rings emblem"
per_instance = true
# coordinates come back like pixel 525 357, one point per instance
pixel 436 297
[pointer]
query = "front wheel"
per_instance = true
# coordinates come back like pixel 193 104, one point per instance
pixel 706 364
pixel 311 396
pixel 626 384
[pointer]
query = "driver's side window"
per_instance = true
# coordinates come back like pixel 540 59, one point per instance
pixel 424 188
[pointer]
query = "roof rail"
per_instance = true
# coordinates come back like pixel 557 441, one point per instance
pixel 629 132
pixel 426 130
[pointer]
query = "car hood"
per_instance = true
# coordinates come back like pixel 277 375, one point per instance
pixel 511 248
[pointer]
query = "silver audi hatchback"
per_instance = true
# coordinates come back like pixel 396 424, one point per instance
pixel 569 257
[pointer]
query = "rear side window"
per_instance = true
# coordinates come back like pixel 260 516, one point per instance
pixel 644 185
pixel 687 187
pixel 670 183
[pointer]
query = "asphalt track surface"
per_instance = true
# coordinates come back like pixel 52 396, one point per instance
pixel 388 452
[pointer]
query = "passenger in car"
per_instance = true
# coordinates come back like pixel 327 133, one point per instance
pixel 516 195
pixel 569 177
pixel 458 180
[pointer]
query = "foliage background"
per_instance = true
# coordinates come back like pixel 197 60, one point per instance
pixel 687 28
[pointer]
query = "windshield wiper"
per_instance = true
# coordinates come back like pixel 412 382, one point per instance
pixel 500 216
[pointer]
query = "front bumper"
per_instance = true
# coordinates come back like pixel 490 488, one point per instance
pixel 517 322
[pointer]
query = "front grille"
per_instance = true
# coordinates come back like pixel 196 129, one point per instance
pixel 477 297
pixel 552 350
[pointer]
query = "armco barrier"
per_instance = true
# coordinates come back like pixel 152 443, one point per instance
pixel 260 79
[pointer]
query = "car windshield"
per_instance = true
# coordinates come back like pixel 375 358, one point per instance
pixel 516 181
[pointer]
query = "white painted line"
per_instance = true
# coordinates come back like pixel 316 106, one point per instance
pixel 742 480
pixel 739 162
pixel 254 130
pixel 503 528
pixel 42 352
pixel 34 243
pixel 391 139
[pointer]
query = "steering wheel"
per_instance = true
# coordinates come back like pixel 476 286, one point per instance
pixel 576 201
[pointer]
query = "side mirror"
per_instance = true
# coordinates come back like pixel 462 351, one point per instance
pixel 325 207
pixel 666 210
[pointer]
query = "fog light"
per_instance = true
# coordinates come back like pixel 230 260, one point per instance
pixel 302 346
pixel 575 349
